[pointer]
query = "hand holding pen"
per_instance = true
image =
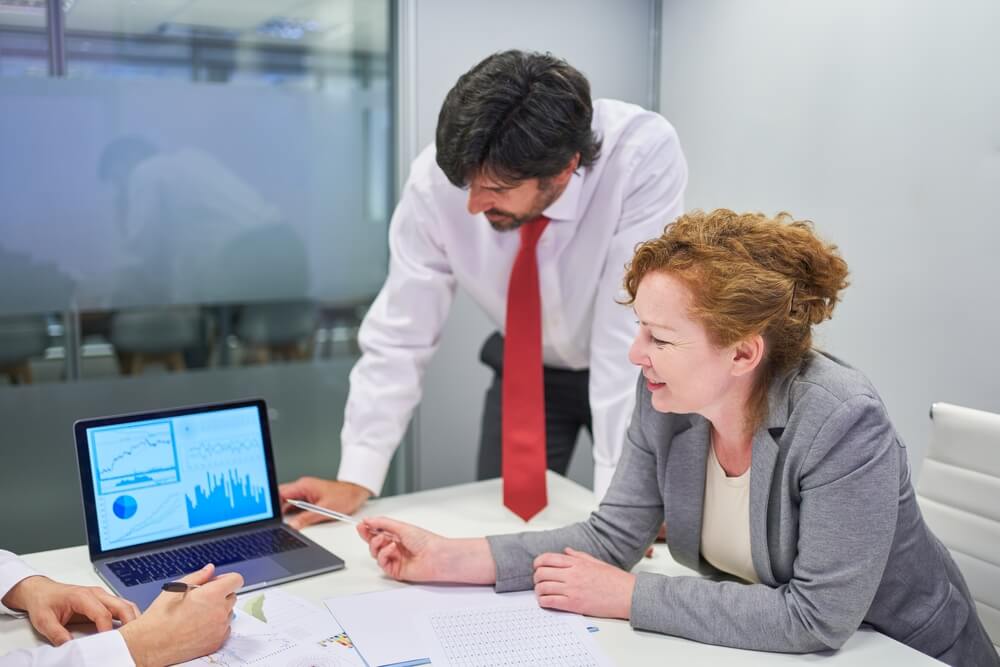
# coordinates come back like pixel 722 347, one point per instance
pixel 339 516
pixel 408 553
pixel 177 628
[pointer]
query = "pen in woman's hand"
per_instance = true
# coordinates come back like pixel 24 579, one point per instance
pixel 340 516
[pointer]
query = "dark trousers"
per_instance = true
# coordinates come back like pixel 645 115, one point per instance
pixel 567 410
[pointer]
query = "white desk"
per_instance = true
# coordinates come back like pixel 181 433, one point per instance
pixel 474 510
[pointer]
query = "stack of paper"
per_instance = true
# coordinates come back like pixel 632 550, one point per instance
pixel 463 626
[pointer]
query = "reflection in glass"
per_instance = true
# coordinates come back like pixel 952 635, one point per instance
pixel 207 206
pixel 203 155
pixel 190 228
pixel 196 212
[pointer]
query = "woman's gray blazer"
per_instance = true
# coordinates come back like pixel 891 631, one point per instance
pixel 836 534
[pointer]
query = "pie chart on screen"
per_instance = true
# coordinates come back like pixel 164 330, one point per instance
pixel 125 507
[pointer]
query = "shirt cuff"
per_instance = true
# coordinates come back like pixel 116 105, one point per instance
pixel 363 466
pixel 12 573
pixel 107 649
pixel 602 480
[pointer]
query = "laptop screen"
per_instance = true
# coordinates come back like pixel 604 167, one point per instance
pixel 171 476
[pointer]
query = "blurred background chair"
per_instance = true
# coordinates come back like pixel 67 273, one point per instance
pixel 22 338
pixel 141 337
pixel 339 324
pixel 282 331
pixel 959 495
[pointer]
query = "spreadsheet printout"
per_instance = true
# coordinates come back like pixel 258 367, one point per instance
pixel 520 636
pixel 462 625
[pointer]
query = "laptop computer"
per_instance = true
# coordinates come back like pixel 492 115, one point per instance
pixel 166 492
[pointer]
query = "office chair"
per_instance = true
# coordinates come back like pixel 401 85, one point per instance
pixel 273 331
pixel 159 335
pixel 22 338
pixel 959 495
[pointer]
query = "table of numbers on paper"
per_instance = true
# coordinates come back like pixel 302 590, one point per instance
pixel 512 636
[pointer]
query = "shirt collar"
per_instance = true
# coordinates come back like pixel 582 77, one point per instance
pixel 565 208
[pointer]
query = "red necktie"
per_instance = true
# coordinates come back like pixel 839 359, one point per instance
pixel 523 392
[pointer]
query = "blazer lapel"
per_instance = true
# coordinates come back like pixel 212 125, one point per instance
pixel 685 492
pixel 763 458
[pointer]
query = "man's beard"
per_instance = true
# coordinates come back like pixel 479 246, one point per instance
pixel 509 223
pixel 546 195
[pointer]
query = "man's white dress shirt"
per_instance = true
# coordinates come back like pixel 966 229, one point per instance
pixel 633 190
pixel 106 649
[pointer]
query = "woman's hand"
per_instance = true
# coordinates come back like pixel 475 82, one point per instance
pixel 576 581
pixel 407 553
pixel 404 552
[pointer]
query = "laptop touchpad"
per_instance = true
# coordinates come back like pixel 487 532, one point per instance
pixel 256 570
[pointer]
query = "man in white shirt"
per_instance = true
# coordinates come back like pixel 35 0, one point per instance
pixel 519 142
pixel 176 627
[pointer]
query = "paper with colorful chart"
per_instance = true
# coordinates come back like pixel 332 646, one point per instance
pixel 272 627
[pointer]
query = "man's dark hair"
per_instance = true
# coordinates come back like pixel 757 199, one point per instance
pixel 515 116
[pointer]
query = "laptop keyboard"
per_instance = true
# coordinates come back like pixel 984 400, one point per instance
pixel 180 561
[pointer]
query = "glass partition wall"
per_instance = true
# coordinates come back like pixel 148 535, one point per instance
pixel 195 206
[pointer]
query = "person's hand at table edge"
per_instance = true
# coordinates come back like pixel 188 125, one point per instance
pixel 345 497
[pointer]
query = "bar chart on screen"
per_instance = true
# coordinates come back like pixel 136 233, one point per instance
pixel 228 495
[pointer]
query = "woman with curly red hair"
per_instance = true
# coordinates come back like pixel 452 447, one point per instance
pixel 775 466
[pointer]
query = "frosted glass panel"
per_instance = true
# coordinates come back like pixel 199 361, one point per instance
pixel 178 193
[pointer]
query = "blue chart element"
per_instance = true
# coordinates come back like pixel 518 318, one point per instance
pixel 151 525
pixel 211 452
pixel 224 497
pixel 132 457
pixel 125 507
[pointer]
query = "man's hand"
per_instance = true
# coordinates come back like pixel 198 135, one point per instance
pixel 183 626
pixel 51 606
pixel 578 582
pixel 341 496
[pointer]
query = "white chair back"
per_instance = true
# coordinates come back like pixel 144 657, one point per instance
pixel 959 495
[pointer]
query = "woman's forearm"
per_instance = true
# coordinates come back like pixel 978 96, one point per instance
pixel 465 561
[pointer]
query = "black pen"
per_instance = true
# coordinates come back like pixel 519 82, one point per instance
pixel 178 587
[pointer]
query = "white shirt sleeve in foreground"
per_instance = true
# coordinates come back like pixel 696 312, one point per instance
pixel 106 649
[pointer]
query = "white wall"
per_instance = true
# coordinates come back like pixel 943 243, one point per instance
pixel 610 43
pixel 880 121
